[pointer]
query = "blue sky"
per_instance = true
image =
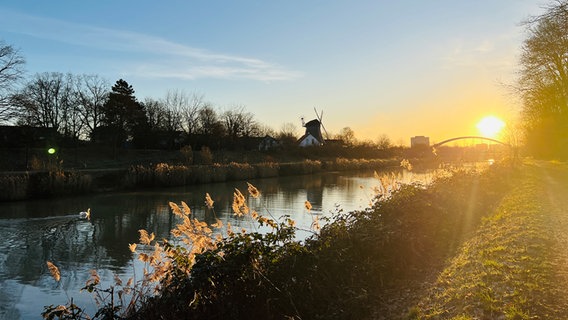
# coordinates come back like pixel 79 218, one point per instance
pixel 400 68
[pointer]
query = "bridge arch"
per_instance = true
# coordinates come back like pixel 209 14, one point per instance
pixel 469 137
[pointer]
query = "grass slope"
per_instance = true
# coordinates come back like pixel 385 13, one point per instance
pixel 513 267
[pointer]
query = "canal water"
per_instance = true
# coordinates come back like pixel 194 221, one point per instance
pixel 33 232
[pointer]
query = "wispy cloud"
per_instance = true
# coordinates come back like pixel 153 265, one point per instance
pixel 496 52
pixel 153 56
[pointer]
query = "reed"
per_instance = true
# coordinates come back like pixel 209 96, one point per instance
pixel 138 176
pixel 14 187
pixel 311 166
pixel 240 171
pixel 55 183
pixel 166 175
pixel 267 169
pixel 202 174
pixel 219 172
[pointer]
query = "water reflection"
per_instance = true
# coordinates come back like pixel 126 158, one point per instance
pixel 34 232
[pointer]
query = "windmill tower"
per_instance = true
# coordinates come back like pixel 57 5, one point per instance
pixel 313 128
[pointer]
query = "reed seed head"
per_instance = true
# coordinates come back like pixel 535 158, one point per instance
pixel 54 271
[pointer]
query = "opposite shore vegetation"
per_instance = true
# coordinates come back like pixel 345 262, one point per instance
pixel 58 182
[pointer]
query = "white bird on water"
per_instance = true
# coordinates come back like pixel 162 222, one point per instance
pixel 85 214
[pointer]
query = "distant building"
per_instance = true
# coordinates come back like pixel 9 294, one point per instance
pixel 268 143
pixel 419 141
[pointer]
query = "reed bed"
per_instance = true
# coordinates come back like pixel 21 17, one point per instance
pixel 218 172
pixel 166 175
pixel 240 171
pixel 267 169
pixel 57 182
pixel 14 187
pixel 139 176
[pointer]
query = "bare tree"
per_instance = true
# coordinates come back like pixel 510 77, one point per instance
pixel 185 108
pixel 11 71
pixel 189 112
pixel 384 142
pixel 543 81
pixel 208 122
pixel 92 93
pixel 265 130
pixel 239 123
pixel 155 110
pixel 288 134
pixel 48 101
pixel 347 135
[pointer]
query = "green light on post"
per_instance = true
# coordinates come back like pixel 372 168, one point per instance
pixel 51 150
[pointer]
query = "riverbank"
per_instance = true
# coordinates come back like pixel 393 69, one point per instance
pixel 58 182
pixel 514 266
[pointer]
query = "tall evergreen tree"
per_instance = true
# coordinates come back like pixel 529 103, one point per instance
pixel 124 116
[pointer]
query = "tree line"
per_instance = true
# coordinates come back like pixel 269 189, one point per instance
pixel 80 107
pixel 543 82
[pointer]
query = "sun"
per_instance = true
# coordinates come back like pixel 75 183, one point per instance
pixel 490 126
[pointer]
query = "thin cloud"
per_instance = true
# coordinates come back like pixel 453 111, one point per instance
pixel 181 61
pixel 495 52
pixel 190 72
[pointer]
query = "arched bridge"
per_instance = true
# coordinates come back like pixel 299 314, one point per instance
pixel 469 137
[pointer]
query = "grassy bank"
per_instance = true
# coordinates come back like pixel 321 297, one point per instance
pixel 514 266
pixel 359 265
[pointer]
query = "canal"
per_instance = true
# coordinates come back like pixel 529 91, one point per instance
pixel 33 232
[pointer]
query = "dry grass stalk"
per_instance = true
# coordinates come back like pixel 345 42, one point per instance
pixel 208 201
pixel 54 271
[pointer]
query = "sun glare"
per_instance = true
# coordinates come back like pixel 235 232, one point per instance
pixel 490 126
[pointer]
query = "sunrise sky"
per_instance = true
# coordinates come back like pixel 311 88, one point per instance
pixel 400 68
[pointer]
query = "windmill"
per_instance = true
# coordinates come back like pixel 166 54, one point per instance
pixel 313 134
pixel 320 119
